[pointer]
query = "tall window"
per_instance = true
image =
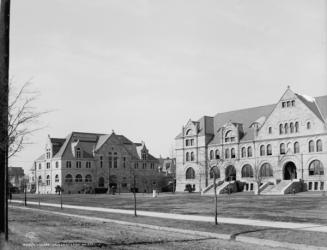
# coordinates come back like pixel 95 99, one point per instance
pixel 78 164
pixel 311 146
pixel 57 164
pixel 296 127
pixel 308 125
pixel 48 180
pixel 187 156
pixel 262 150
pixel 57 178
pixel 217 154
pixel 270 130
pixel 143 155
pixel 115 162
pixel 40 166
pixel 286 128
pixel 192 156
pixel 243 154
pixel 229 136
pixel 211 154
pixel 68 178
pixel 282 148
pixel 232 153
pixel 319 145
pixel 78 153
pixel 249 151
pixel 316 168
pixel 48 153
pixel 101 161
pixel 78 178
pixel 281 129
pixel 292 127
pixel 48 165
pixel 124 162
pixel 266 170
pixel 226 153
pixel 88 178
pixel 101 182
pixel 269 149
pixel 296 148
pixel 190 173
pixel 247 171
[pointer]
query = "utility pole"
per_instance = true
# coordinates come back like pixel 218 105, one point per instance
pixel 4 82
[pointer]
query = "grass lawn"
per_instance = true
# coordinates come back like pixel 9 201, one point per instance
pixel 305 207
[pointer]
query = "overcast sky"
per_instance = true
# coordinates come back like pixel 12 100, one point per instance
pixel 143 68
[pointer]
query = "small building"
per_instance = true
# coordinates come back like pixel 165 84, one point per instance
pixel 16 176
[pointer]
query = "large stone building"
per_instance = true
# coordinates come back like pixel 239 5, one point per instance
pixel 83 162
pixel 275 145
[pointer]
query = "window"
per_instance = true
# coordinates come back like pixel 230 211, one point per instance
pixel 283 104
pixel 190 173
pixel 296 148
pixel 144 165
pixel 68 164
pixel 217 154
pixel 243 152
pixel 187 156
pixel 282 148
pixel 281 129
pixel 293 103
pixel 48 153
pixel 249 151
pixel 115 162
pixel 78 164
pixel 316 168
pixel 229 136
pixel 88 164
pixel 192 156
pixel 40 166
pixel 143 155
pixel 152 165
pixel 78 153
pixel 40 179
pixel 247 171
pixel 186 143
pixel 101 182
pixel 124 162
pixel 57 164
pixel 211 154
pixel 311 146
pixel 88 178
pixel 232 153
pixel 269 149
pixel 288 104
pixel 101 161
pixel 57 178
pixel 319 145
pixel 69 178
pixel 270 130
pixel 296 127
pixel 48 180
pixel 48 165
pixel 192 142
pixel 213 171
pixel 266 170
pixel 316 185
pixel 226 153
pixel 262 150
pixel 136 165
pixel 308 125
pixel 188 132
pixel 310 185
pixel 286 128
pixel 321 185
pixel 291 127
pixel 78 178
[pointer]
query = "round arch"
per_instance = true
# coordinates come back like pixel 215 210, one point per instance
pixel 230 173
pixel 289 171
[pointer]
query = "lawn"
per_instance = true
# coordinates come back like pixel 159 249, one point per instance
pixel 308 207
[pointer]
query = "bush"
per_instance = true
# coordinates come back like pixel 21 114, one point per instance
pixel 189 188
pixel 101 190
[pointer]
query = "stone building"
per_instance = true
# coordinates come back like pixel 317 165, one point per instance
pixel 277 146
pixel 83 162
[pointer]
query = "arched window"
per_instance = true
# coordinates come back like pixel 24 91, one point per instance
pixel 270 130
pixel 232 153
pixel 262 150
pixel 269 149
pixel 88 178
pixel 57 178
pixel 211 154
pixel 311 146
pixel 296 127
pixel 292 127
pixel 40 178
pixel 57 164
pixel 78 153
pixel 229 136
pixel 286 128
pixel 48 180
pixel 213 171
pixel 217 154
pixel 101 182
pixel 187 156
pixel 266 170
pixel 243 154
pixel 69 178
pixel 282 148
pixel 188 132
pixel 281 129
pixel 296 147
pixel 190 173
pixel 226 153
pixel 308 125
pixel 247 171
pixel 249 151
pixel 319 145
pixel 78 178
pixel 192 156
pixel 316 168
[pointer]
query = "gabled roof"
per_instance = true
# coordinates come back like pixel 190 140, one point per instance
pixel 311 104
pixel 41 158
pixel 321 101
pixel 205 126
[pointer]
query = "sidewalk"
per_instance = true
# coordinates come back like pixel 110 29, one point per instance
pixel 238 221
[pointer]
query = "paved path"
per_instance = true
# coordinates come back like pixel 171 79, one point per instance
pixel 238 221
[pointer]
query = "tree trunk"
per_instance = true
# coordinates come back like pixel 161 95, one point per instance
pixel 134 196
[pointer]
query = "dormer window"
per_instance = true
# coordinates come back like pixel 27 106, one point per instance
pixel 78 153
pixel 48 153
pixel 229 136
pixel 143 155
pixel 188 132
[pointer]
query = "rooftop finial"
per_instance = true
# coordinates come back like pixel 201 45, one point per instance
pixel 112 131
pixel 288 87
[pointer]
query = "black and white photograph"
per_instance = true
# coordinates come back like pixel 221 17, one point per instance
pixel 163 124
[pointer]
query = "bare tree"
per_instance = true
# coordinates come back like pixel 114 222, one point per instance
pixel 215 172
pixel 257 177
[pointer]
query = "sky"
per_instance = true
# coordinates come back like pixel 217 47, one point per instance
pixel 143 68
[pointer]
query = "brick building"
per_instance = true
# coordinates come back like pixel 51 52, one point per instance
pixel 283 144
pixel 82 162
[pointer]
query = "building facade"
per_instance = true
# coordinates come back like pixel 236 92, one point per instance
pixel 280 144
pixel 84 162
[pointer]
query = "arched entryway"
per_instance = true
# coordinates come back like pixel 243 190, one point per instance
pixel 289 171
pixel 230 173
